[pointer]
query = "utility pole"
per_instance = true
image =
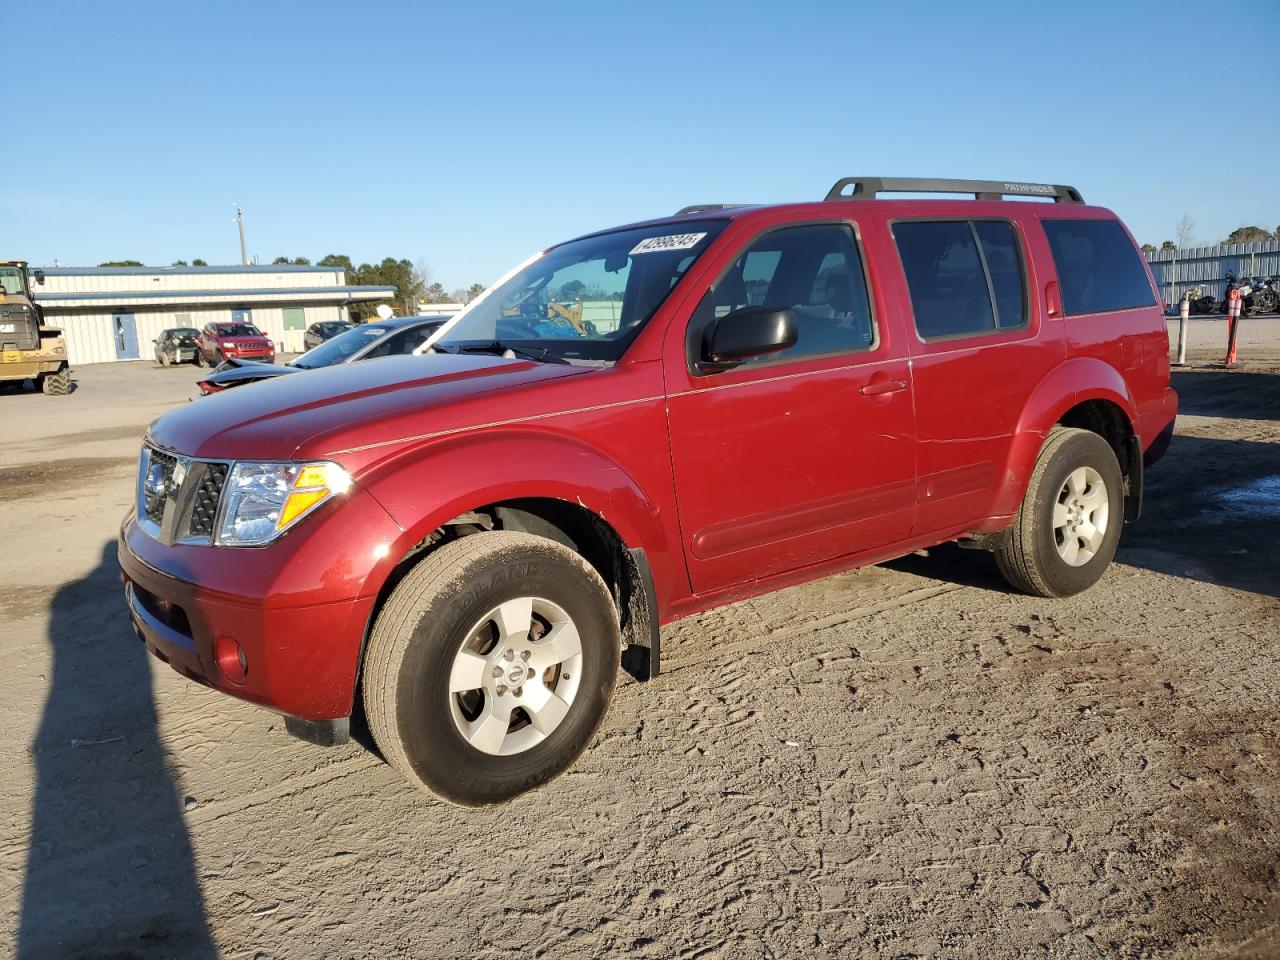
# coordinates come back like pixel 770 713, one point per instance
pixel 244 253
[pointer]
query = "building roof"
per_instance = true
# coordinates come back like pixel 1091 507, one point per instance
pixel 270 295
pixel 146 271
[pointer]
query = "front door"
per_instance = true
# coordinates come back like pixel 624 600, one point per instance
pixel 800 457
pixel 295 328
pixel 125 334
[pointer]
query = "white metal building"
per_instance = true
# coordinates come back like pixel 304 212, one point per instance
pixel 114 313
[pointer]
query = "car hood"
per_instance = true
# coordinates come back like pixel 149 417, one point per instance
pixel 317 413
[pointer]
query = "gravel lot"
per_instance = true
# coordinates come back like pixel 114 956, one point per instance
pixel 905 761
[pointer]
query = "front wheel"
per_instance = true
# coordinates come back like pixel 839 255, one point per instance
pixel 491 666
pixel 1068 526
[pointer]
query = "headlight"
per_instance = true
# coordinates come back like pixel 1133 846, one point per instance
pixel 263 500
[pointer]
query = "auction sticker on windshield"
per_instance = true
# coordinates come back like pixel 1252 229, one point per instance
pixel 676 241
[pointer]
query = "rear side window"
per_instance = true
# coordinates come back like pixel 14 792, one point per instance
pixel 965 277
pixel 1098 268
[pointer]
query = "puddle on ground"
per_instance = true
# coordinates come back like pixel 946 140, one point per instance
pixel 1256 500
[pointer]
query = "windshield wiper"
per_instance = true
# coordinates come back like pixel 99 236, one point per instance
pixel 500 347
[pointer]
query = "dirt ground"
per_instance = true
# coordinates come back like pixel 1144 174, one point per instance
pixel 906 761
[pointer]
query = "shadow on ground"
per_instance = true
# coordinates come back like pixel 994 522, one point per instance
pixel 110 872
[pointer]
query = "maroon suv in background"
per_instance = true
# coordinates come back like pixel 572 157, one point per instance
pixel 235 340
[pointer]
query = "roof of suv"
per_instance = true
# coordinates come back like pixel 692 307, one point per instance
pixel 867 189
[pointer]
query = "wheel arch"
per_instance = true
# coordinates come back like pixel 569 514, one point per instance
pixel 1082 392
pixel 574 496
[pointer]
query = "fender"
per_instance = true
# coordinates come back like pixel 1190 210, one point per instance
pixel 1071 382
pixel 430 485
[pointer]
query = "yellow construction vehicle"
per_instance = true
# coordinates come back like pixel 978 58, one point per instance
pixel 28 349
pixel 557 312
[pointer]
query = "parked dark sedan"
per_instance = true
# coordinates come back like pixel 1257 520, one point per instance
pixel 318 333
pixel 384 338
pixel 176 345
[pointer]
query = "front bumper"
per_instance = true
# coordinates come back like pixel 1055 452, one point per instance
pixel 267 356
pixel 297 611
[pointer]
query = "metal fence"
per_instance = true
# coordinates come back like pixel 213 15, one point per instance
pixel 1176 271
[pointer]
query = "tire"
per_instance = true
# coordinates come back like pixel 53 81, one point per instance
pixel 1037 557
pixel 162 358
pixel 199 358
pixel 439 629
pixel 57 384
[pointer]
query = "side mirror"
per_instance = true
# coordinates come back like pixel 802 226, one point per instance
pixel 745 333
pixel 40 277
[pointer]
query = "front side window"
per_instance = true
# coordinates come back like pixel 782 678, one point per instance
pixel 816 271
pixel 586 299
pixel 406 341
pixel 1098 268
pixel 965 277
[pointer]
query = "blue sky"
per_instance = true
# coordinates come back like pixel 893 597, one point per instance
pixel 472 134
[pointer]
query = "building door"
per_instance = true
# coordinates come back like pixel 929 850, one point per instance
pixel 242 315
pixel 295 328
pixel 126 336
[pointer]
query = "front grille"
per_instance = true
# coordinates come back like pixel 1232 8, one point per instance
pixel 156 483
pixel 178 497
pixel 204 505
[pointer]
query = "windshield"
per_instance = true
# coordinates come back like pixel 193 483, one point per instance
pixel 238 330
pixel 186 332
pixel 341 347
pixel 11 280
pixel 586 299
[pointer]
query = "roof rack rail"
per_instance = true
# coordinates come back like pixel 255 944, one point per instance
pixel 868 188
pixel 700 207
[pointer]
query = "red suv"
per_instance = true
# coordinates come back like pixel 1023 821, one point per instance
pixel 639 425
pixel 234 340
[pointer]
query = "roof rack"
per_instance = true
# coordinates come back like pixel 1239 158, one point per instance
pixel 700 207
pixel 867 188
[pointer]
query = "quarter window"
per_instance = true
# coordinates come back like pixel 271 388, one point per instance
pixel 816 271
pixel 1098 268
pixel 965 277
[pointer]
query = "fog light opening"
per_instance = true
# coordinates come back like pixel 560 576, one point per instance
pixel 232 661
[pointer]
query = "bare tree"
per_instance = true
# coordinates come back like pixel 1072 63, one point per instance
pixel 1186 230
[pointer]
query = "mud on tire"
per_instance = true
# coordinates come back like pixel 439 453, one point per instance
pixel 1067 529
pixel 478 628
pixel 57 384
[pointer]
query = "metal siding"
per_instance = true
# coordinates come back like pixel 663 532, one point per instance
pixel 1207 267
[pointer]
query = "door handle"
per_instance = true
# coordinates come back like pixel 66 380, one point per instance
pixel 877 388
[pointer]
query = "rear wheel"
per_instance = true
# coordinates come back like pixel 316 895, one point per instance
pixel 490 666
pixel 57 384
pixel 1068 526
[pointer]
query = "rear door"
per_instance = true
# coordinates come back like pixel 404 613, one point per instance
pixel 804 456
pixel 979 349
